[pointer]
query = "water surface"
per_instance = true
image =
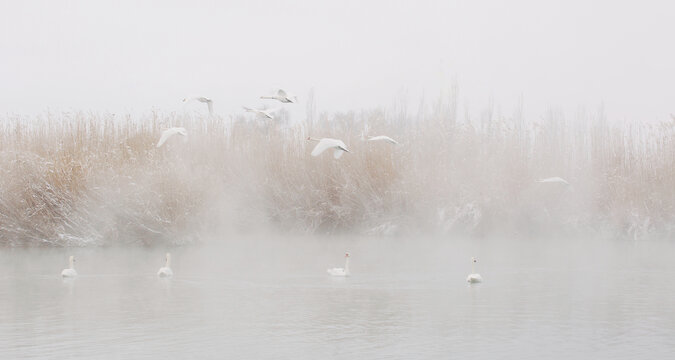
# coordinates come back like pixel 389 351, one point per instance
pixel 407 299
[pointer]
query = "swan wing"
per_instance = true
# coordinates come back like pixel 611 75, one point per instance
pixel 341 145
pixel 553 179
pixel 383 138
pixel 282 93
pixel 269 112
pixel 322 146
pixel 338 153
pixel 248 109
pixel 181 131
pixel 166 134
pixel 256 111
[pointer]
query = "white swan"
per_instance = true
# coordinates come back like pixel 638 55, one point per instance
pixel 282 96
pixel 553 180
pixel 165 271
pixel 70 272
pixel 327 143
pixel 383 138
pixel 473 277
pixel 340 271
pixel 166 134
pixel 266 113
pixel 202 99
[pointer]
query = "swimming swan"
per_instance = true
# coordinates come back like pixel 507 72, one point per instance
pixel 70 272
pixel 341 271
pixel 165 271
pixel 473 277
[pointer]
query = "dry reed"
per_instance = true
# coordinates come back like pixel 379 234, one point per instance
pixel 77 179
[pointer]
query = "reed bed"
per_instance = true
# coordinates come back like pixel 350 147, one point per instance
pixel 77 179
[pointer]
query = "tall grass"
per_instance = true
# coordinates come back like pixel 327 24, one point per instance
pixel 82 178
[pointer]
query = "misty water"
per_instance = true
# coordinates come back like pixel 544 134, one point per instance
pixel 264 297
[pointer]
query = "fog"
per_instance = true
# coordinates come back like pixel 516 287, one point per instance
pixel 405 299
pixel 534 150
pixel 131 57
pixel 562 89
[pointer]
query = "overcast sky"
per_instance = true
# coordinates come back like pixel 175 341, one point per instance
pixel 130 56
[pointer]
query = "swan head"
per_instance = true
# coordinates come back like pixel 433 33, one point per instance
pixel 347 255
pixel 473 259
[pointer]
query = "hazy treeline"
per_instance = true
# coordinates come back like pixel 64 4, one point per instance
pixel 78 178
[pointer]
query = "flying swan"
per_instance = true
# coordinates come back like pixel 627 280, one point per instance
pixel 266 113
pixel 166 134
pixel 202 99
pixel 282 96
pixel 327 143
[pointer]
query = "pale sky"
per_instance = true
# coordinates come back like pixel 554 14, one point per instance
pixel 133 56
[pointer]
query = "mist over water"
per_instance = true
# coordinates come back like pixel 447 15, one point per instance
pixel 405 299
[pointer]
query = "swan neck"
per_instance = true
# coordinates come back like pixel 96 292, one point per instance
pixel 71 262
pixel 347 265
pixel 168 260
pixel 473 267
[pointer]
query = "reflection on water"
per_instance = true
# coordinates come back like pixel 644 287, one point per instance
pixel 403 301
